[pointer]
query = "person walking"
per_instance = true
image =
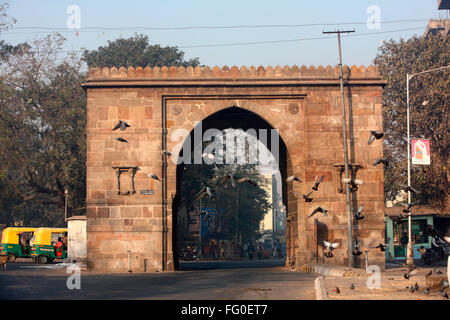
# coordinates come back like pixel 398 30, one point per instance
pixel 251 250
pixel 260 250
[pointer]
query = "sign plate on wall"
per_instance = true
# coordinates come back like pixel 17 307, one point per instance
pixel 147 192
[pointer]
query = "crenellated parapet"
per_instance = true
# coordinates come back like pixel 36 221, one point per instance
pixel 269 72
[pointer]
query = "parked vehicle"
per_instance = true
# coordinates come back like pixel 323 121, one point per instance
pixel 48 244
pixel 16 242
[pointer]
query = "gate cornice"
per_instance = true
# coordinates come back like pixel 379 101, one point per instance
pixel 235 77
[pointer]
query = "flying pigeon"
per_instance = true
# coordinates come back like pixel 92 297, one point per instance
pixel 225 178
pixel 426 291
pixel 358 215
pixel 319 209
pixel 411 271
pixel 317 182
pixel 353 183
pixel 121 139
pixel 248 180
pixel 408 188
pixel 409 205
pixel 437 271
pixel 167 153
pixel 383 161
pixel 205 191
pixel 352 287
pixel 375 135
pixel 381 247
pixel 293 178
pixel 330 246
pixel 307 198
pixel 416 286
pixel 154 176
pixel 356 251
pixel 122 125
pixel 429 274
pixel 411 289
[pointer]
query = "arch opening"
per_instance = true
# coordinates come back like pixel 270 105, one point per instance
pixel 227 226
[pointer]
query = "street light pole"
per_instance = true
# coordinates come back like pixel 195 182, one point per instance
pixel 409 248
pixel 66 193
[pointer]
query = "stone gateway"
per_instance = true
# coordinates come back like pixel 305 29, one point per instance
pixel 130 228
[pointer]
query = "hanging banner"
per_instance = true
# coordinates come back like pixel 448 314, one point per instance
pixel 420 149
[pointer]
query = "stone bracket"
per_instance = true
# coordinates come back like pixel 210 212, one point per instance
pixel 119 172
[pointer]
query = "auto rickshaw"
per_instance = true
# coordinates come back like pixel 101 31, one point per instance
pixel 49 244
pixel 16 242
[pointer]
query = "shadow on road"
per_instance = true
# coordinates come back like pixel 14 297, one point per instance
pixel 229 264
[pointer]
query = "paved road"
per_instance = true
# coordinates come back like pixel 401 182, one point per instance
pixel 258 279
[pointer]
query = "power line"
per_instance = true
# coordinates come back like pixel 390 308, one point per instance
pixel 292 40
pixel 275 41
pixel 97 29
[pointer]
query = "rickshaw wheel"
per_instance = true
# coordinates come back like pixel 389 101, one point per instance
pixel 43 259
pixel 11 257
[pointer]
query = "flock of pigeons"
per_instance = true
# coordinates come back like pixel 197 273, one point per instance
pixel 353 183
pixel 208 191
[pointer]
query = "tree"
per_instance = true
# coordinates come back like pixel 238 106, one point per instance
pixel 429 103
pixel 252 201
pixel 42 117
pixel 134 52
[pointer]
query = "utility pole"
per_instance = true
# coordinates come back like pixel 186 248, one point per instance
pixel 344 130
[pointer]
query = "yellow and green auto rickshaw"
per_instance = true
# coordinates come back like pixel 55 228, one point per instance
pixel 16 242
pixel 49 244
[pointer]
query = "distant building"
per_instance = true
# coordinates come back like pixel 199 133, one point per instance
pixel 441 25
pixel 267 185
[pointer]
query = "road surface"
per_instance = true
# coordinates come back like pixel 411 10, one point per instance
pixel 210 280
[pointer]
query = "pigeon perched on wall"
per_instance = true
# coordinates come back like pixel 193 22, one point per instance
pixel 375 135
pixel 319 209
pixel 317 182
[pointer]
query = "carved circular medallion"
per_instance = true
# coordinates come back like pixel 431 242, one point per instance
pixel 175 109
pixel 293 108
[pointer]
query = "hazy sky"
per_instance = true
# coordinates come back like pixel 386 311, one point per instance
pixel 359 49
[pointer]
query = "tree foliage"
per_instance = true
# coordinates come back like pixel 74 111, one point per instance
pixel 429 105
pixel 136 52
pixel 42 118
